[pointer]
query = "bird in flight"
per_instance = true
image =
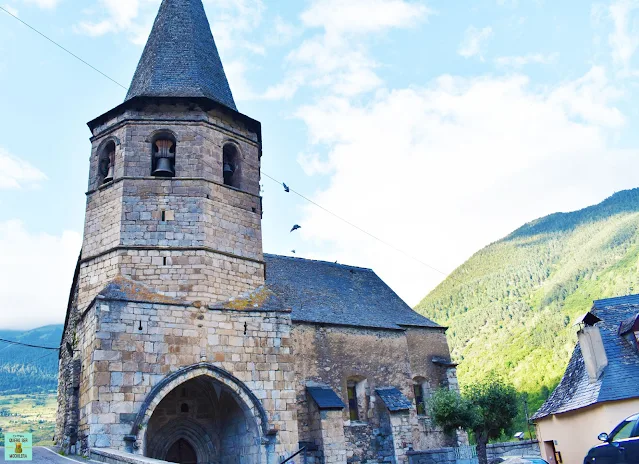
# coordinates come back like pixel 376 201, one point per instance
pixel 286 188
pixel 296 227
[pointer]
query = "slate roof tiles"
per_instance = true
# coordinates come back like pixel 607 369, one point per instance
pixel 619 379
pixel 394 399
pixel 180 58
pixel 328 293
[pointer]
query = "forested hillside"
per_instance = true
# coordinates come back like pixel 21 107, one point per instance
pixel 510 307
pixel 29 370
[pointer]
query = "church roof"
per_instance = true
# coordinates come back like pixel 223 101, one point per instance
pixel 330 293
pixel 180 58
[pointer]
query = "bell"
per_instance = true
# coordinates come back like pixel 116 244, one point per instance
pixel 164 168
pixel 109 176
pixel 228 172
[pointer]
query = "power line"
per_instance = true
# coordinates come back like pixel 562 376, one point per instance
pixel 60 46
pixel 259 168
pixel 11 342
pixel 399 250
pixel 41 357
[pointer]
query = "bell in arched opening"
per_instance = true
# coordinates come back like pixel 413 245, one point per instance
pixel 164 158
pixel 106 165
pixel 111 169
pixel 228 172
pixel 231 170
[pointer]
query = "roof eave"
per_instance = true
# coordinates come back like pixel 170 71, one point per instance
pixel 204 102
pixel 420 326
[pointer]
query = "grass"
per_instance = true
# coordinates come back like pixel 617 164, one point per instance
pixel 31 413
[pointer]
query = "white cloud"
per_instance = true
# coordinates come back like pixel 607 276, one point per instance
pixel 337 60
pixel 35 275
pixel 232 21
pixel 10 9
pixel 282 32
pixel 46 4
pixel 16 173
pixel 442 171
pixel 624 39
pixel 473 40
pixel 117 16
pixel 312 164
pixel 531 58
pixel 363 16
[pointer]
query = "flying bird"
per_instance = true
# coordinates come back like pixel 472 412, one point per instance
pixel 286 188
pixel 293 251
pixel 296 227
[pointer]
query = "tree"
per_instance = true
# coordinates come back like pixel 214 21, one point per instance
pixel 487 409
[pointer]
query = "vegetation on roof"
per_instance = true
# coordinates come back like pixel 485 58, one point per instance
pixel 254 300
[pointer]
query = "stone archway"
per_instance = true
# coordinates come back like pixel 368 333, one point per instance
pixel 206 409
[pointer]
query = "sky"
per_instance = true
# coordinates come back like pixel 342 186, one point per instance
pixel 436 126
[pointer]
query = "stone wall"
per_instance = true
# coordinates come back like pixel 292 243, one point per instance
pixel 327 432
pixel 200 136
pixel 209 232
pixel 128 348
pixel 423 345
pixel 513 448
pixel 332 355
pixel 494 451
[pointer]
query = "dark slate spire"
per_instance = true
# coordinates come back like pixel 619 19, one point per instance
pixel 180 58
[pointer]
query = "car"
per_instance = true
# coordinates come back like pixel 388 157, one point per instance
pixel 621 446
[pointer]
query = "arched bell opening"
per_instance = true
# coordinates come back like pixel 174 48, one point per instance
pixel 106 163
pixel 205 420
pixel 231 166
pixel 163 153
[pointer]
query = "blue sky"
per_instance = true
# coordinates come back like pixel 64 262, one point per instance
pixel 437 126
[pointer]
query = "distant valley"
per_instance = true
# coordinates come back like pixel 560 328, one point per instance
pixel 29 370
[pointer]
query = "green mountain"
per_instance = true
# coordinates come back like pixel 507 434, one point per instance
pixel 29 370
pixel 510 307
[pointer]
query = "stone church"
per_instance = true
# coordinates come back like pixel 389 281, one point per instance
pixel 183 341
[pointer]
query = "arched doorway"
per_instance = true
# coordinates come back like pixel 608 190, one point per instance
pixel 203 421
pixel 181 451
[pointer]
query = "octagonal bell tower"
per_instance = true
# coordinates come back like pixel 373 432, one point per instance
pixel 173 198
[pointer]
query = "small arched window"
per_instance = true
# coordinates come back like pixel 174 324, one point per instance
pixel 184 407
pixel 164 150
pixel 106 165
pixel 231 169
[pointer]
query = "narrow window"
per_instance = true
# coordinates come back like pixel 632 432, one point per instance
pixel 420 404
pixel 184 407
pixel 163 162
pixel 421 389
pixel 231 169
pixel 357 389
pixel 353 408
pixel 106 165
pixel 163 215
pixel 164 259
